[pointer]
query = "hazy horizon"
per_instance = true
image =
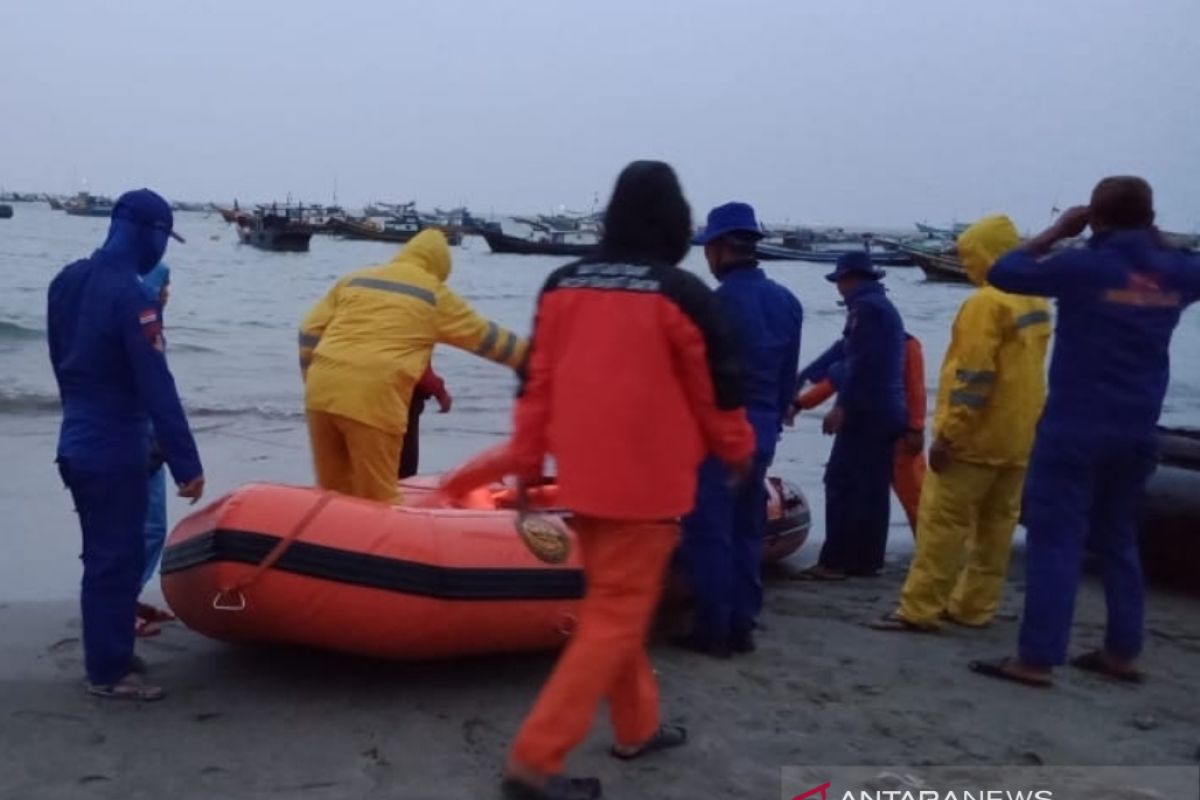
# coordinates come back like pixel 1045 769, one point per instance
pixel 864 112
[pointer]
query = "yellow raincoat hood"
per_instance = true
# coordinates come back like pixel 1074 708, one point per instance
pixel 993 381
pixel 430 250
pixel 981 245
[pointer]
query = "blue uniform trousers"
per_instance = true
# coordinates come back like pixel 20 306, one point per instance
pixel 858 503
pixel 1079 492
pixel 156 523
pixel 721 551
pixel 112 513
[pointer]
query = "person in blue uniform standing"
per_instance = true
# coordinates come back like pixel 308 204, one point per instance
pixel 106 348
pixel 722 544
pixel 868 420
pixel 1119 301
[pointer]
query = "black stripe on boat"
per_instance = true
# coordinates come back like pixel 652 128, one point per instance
pixel 376 572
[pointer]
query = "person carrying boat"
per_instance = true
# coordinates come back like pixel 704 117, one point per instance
pixel 1119 300
pixel 991 393
pixel 156 284
pixel 721 549
pixel 106 348
pixel 363 349
pixel 632 378
pixel 908 467
pixel 431 386
pixel 869 419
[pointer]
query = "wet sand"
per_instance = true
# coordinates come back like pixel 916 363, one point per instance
pixel 266 723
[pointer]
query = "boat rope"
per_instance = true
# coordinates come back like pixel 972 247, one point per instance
pixel 225 599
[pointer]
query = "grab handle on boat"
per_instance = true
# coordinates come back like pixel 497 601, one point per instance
pixel 219 605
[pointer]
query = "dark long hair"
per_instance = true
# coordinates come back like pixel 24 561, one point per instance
pixel 647 219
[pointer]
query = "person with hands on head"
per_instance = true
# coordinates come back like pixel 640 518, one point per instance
pixel 632 379
pixel 869 419
pixel 990 396
pixel 1120 298
pixel 721 550
pixel 107 352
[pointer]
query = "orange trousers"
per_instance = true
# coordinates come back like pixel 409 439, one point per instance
pixel 908 474
pixel 624 564
pixel 354 458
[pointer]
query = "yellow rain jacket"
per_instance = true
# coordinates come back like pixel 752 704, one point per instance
pixel 365 345
pixel 993 380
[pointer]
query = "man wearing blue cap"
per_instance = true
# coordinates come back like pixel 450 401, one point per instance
pixel 867 366
pixel 106 347
pixel 723 536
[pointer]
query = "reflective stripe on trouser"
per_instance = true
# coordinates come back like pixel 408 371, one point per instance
pixel 112 515
pixel 908 475
pixel 721 551
pixel 156 522
pixel 968 515
pixel 858 482
pixel 1083 493
pixel 624 565
pixel 353 458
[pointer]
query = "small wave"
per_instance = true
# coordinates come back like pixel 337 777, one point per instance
pixel 19 402
pixel 25 402
pixel 13 331
pixel 184 347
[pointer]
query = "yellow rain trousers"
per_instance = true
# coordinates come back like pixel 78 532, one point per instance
pixel 363 348
pixel 991 392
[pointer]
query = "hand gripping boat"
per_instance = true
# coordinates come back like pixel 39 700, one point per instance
pixel 298 565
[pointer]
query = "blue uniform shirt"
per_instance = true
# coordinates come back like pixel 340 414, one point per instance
pixel 1119 300
pixel 106 348
pixel 765 319
pixel 867 365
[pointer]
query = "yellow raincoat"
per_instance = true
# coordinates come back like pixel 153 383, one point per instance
pixel 992 389
pixel 363 348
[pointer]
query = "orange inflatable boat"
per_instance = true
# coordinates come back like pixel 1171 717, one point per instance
pixel 296 565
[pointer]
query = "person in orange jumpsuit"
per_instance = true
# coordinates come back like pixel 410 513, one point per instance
pixel 908 471
pixel 632 379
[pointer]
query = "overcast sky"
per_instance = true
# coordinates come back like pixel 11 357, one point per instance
pixel 851 112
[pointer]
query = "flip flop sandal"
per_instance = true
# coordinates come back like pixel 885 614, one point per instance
pixel 130 687
pixel 667 737
pixel 144 629
pixel 818 573
pixel 1096 662
pixel 150 613
pixel 998 668
pixel 557 787
pixel 897 623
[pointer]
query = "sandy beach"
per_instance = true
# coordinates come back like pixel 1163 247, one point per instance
pixel 249 722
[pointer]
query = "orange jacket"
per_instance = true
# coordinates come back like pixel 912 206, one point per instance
pixel 914 387
pixel 631 380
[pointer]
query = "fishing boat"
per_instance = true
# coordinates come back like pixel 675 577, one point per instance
pixel 766 250
pixel 279 230
pixel 6 211
pixel 56 204
pixel 87 205
pixel 546 243
pixel 297 565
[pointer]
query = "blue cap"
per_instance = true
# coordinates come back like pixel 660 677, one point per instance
pixel 729 218
pixel 148 208
pixel 856 262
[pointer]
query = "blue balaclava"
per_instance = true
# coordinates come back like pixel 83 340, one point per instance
pixel 154 280
pixel 141 222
